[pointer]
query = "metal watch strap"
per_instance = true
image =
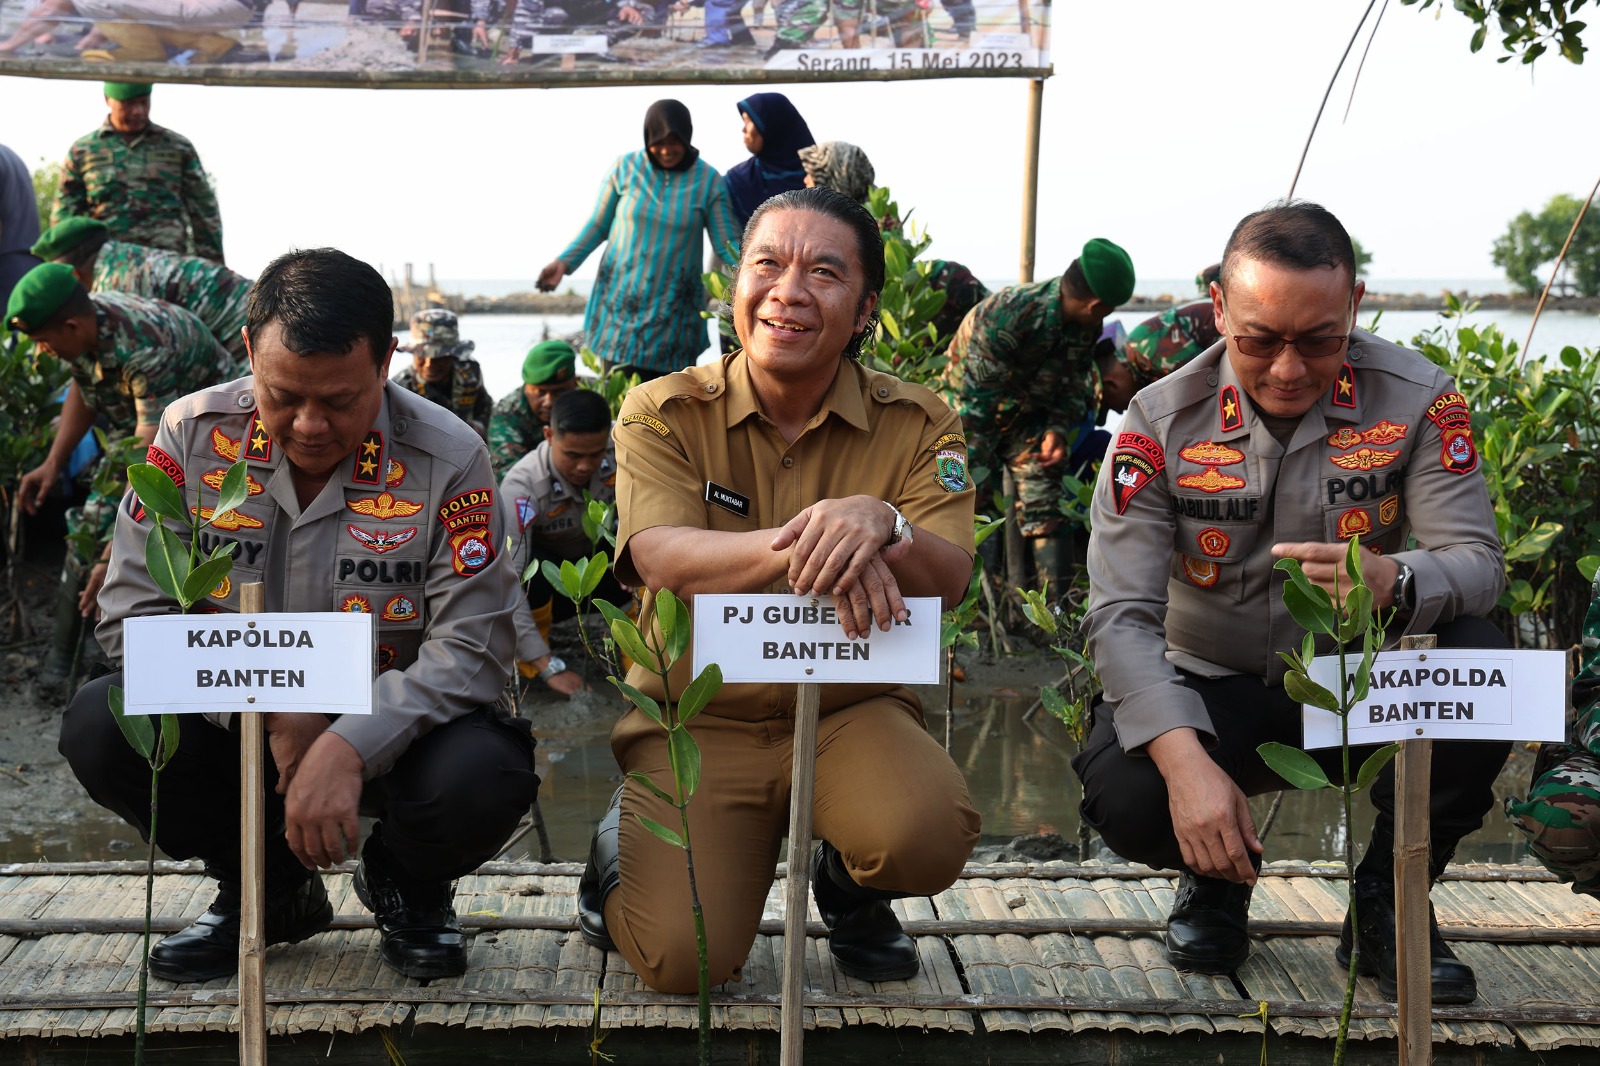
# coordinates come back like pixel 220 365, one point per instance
pixel 901 529
pixel 556 665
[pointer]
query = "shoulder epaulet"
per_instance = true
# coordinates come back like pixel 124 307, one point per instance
pixel 888 389
pixel 1194 382
pixel 1368 353
pixel 431 429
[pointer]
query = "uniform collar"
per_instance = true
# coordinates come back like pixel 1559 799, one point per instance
pixel 844 398
pixel 105 130
pixel 1340 404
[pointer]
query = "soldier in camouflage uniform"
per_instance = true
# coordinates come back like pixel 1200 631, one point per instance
pixel 516 427
pixel 129 356
pixel 142 180
pixel 214 294
pixel 1023 377
pixel 1158 346
pixel 442 368
pixel 1561 816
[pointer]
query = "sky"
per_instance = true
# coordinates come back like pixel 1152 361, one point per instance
pixel 1165 122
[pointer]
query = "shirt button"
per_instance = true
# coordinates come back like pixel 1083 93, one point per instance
pixel 788 460
pixel 1355 355
pixel 711 386
pixel 883 390
pixel 247 399
pixel 400 427
pixel 1211 379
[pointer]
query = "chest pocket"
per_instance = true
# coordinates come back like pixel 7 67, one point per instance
pixel 1215 539
pixel 1370 505
pixel 388 586
pixel 102 177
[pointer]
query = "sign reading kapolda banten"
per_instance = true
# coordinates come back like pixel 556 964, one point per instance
pixel 1447 694
pixel 789 639
pixel 226 663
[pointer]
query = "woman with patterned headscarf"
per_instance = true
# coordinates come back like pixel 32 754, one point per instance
pixel 644 309
pixel 775 134
pixel 840 166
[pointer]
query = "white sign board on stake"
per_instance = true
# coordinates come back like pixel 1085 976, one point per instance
pixel 222 663
pixel 786 639
pixel 1446 694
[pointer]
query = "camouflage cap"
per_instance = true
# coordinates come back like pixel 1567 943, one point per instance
pixel 1108 270
pixel 66 235
pixel 549 363
pixel 39 295
pixel 127 90
pixel 435 334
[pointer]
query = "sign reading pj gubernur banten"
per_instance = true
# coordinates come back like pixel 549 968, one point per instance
pixel 787 639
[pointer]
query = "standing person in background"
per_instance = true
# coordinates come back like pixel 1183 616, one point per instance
pixel 19 221
pixel 775 134
pixel 516 425
pixel 142 180
pixel 442 369
pixel 644 310
pixel 840 166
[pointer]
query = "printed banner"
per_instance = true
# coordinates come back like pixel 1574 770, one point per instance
pixel 522 42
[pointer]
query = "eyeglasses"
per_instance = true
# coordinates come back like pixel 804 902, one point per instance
pixel 1318 347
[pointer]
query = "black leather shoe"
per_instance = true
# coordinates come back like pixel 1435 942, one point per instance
pixel 863 933
pixel 600 876
pixel 1208 930
pixel 421 936
pixel 209 948
pixel 1453 980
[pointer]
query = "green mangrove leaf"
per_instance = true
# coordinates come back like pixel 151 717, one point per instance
pixel 1352 560
pixel 1313 611
pixel 1588 565
pixel 157 492
pixel 1304 690
pixel 661 831
pixel 660 793
pixel 1375 764
pixel 235 487
pixel 169 740
pixel 1361 681
pixel 136 728
pixel 685 760
pixel 611 612
pixel 985 530
pixel 645 703
pixel 699 693
pixel 167 561
pixel 528 571
pixel 593 571
pixel 203 578
pixel 571 580
pixel 1056 704
pixel 1293 765
pixel 627 636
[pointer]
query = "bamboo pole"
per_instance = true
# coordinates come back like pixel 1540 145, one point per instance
pixel 1030 180
pixel 797 890
pixel 427 31
pixel 252 869
pixel 1413 774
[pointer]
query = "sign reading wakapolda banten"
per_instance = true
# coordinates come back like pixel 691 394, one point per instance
pixel 229 663
pixel 797 639
pixel 1447 694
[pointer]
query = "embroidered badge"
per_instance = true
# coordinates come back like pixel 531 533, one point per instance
pixel 224 587
pixel 648 421
pixel 164 463
pixel 1364 458
pixel 381 541
pixel 354 604
pixel 947 440
pixel 951 471
pixel 1232 412
pixel 1209 453
pixel 1213 480
pixel 368 458
pixel 1354 522
pixel 225 446
pixel 1213 541
pixel 727 499
pixel 394 473
pixel 228 521
pixel 1458 454
pixel 1345 437
pixel 1344 389
pixel 1202 573
pixel 213 479
pixel 1145 446
pixel 1130 472
pixel 558 510
pixel 1385 432
pixel 385 657
pixel 471 551
pixel 1389 509
pixel 399 609
pixel 526 512
pixel 383 506
pixel 257 445
pixel 1449 409
pixel 467 509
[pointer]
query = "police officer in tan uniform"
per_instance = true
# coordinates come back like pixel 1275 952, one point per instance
pixel 543 500
pixel 363 497
pixel 1294 434
pixel 788 466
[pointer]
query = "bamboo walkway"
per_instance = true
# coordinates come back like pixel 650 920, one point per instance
pixel 1029 963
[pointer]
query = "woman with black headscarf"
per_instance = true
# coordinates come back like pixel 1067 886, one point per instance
pixel 774 133
pixel 644 308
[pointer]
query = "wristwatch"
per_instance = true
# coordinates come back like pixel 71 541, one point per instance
pixel 1404 591
pixel 902 528
pixel 555 666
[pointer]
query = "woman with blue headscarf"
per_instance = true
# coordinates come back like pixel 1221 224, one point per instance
pixel 774 133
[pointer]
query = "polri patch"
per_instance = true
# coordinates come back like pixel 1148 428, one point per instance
pixel 648 421
pixel 1344 437
pixel 951 471
pixel 1138 459
pixel 394 473
pixel 166 464
pixel 399 609
pixel 1364 458
pixel 225 446
pixel 727 499
pixel 1458 454
pixel 383 506
pixel 470 550
pixel 382 541
pixel 223 590
pixel 1355 522
pixel 1449 410
pixel 353 604
pixel 1385 432
pixel 385 657
pixel 213 479
pixel 468 509
pixel 1210 453
pixel 1213 542
pixel 1389 509
pixel 1202 573
pixel 1212 480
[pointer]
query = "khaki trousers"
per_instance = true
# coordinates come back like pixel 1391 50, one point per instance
pixel 887 796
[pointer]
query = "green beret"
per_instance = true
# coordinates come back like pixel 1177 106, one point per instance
pixel 66 235
pixel 39 295
pixel 549 363
pixel 127 90
pixel 1108 270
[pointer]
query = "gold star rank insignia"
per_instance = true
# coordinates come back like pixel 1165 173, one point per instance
pixel 368 461
pixel 258 445
pixel 1344 391
pixel 1232 413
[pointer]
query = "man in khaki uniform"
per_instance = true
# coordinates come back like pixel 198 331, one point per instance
pixel 1293 435
pixel 788 466
pixel 367 498
pixel 543 500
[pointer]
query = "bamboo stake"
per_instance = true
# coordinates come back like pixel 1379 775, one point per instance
pixel 1030 181
pixel 422 43
pixel 252 869
pixel 797 890
pixel 1413 773
pixel 1556 269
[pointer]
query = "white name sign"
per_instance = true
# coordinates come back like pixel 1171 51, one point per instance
pixel 571 44
pixel 797 639
pixel 1447 694
pixel 196 663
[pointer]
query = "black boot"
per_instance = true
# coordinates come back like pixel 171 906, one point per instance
pixel 209 948
pixel 1208 929
pixel 863 932
pixel 1453 980
pixel 600 876
pixel 61 661
pixel 421 936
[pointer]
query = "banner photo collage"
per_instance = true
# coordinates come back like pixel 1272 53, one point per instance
pixel 523 42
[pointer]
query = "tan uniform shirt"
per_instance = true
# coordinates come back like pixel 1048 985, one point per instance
pixel 1196 490
pixel 546 514
pixel 702 428
pixel 408 532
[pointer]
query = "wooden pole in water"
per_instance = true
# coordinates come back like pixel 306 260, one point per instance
pixel 1413 774
pixel 797 889
pixel 252 870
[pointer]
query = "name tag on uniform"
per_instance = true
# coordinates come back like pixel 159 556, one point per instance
pixel 727 499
